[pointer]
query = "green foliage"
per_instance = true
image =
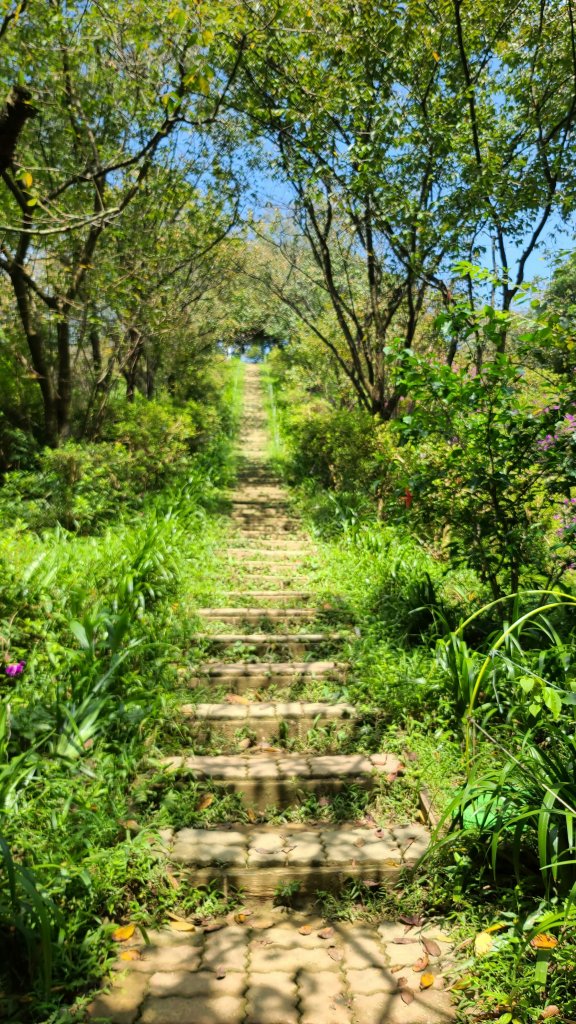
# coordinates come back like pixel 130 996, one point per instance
pixel 99 621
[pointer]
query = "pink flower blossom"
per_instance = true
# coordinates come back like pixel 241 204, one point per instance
pixel 15 669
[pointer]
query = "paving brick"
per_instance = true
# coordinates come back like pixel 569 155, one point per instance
pixel 208 846
pixel 274 957
pixel 271 998
pixel 305 848
pixel 200 1010
pixel 216 712
pixel 341 765
pixel 323 998
pixel 371 980
pixel 287 936
pixel 219 767
pixel 226 948
pixel 399 954
pixel 168 937
pixel 430 1007
pixel 294 765
pixel 188 984
pixel 177 957
pixel 121 1003
pixel 263 767
pixel 361 946
pixel 266 849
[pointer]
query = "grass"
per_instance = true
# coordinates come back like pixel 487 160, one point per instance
pixel 103 625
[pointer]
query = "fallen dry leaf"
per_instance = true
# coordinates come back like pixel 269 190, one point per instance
pixel 131 825
pixel 463 983
pixel 427 980
pixel 130 954
pixel 483 943
pixel 242 916
pixel 335 953
pixel 421 964
pixel 236 698
pixel 182 926
pixel 172 880
pixel 326 933
pixel 306 929
pixel 405 940
pixel 220 972
pixel 214 926
pixel 406 993
pixel 544 941
pixel 251 815
pixel 245 744
pixel 125 932
pixel 431 946
pixel 205 801
pixel 550 1011
pixel 412 920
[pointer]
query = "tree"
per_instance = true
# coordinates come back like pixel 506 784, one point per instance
pixel 414 137
pixel 117 89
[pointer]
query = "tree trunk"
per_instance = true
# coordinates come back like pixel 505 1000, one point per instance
pixel 130 368
pixel 64 396
pixel 96 350
pixel 40 363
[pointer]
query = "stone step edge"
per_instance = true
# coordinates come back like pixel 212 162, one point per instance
pixel 272 638
pixel 270 595
pixel 239 768
pixel 332 847
pixel 260 613
pixel 291 669
pixel 264 710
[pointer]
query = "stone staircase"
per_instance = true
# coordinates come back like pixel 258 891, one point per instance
pixel 286 967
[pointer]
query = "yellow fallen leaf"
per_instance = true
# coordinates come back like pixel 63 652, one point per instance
pixel 427 980
pixel 463 983
pixel 182 926
pixel 125 932
pixel 543 941
pixel 130 954
pixel 205 801
pixel 483 943
pixel 27 179
pixel 495 927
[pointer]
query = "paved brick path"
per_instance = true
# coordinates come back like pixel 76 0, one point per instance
pixel 273 965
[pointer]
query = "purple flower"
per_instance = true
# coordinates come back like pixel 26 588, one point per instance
pixel 546 442
pixel 16 669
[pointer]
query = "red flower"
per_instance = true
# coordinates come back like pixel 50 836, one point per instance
pixel 408 498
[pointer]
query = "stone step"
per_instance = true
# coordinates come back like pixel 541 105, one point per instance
pixel 271 595
pixel 244 677
pixel 267 718
pixel 258 555
pixel 263 515
pixel 280 779
pixel 294 643
pixel 260 614
pixel 255 506
pixel 282 582
pixel 318 857
pixel 268 541
pixel 257 567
